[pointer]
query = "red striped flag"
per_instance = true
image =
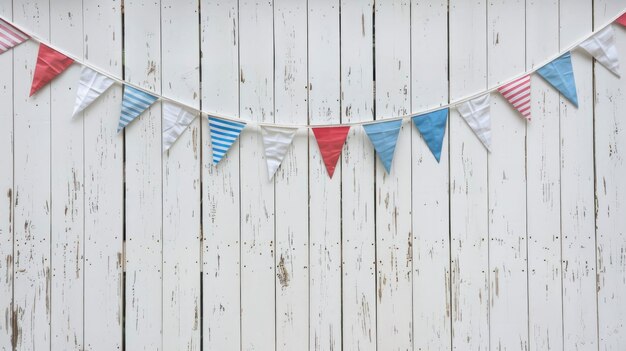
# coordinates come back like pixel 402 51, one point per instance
pixel 10 36
pixel 518 94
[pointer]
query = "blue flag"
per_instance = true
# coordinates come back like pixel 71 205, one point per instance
pixel 384 136
pixel 560 74
pixel 432 126
pixel 223 135
pixel 134 103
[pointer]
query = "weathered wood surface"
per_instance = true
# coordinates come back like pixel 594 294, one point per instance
pixel 107 243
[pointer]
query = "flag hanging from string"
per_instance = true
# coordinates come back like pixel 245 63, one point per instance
pixel 175 120
pixel 90 86
pixel 224 133
pixel 517 93
pixel 602 47
pixel 50 63
pixel 384 136
pixel 10 36
pixel 476 113
pixel 330 141
pixel 560 74
pixel 432 127
pixel 276 142
pixel 134 103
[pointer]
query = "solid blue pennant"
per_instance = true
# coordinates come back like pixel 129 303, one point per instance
pixel 134 103
pixel 384 136
pixel 560 74
pixel 223 135
pixel 432 126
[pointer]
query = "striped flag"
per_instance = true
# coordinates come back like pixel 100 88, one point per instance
pixel 10 36
pixel 223 134
pixel 50 63
pixel 517 94
pixel 134 103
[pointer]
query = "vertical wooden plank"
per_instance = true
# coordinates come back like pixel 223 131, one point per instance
pixel 144 216
pixel 292 196
pixel 610 170
pixel 67 209
pixel 32 188
pixel 181 180
pixel 220 189
pixel 430 195
pixel 256 67
pixel 580 323
pixel 6 190
pixel 543 184
pixel 104 183
pixel 357 178
pixel 325 193
pixel 468 182
pixel 393 195
pixel 508 309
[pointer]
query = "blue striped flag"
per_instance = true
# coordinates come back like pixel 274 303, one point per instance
pixel 134 103
pixel 223 135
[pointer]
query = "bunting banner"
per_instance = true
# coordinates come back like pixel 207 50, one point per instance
pixel 432 127
pixel 175 120
pixel 560 74
pixel 476 114
pixel 10 36
pixel 384 136
pixel 517 93
pixel 621 20
pixel 602 47
pixel 276 142
pixel 330 141
pixel 50 63
pixel 224 133
pixel 91 85
pixel 134 103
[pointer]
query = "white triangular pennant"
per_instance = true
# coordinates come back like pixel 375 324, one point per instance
pixel 175 120
pixel 602 47
pixel 91 85
pixel 476 114
pixel 276 142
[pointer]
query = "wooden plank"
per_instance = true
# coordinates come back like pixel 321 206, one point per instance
pixel 292 195
pixel 325 193
pixel 578 241
pixel 67 195
pixel 610 171
pixel 430 195
pixel 543 184
pixel 508 309
pixel 357 178
pixel 6 190
pixel 393 195
pixel 256 89
pixel 32 189
pixel 144 211
pixel 181 180
pixel 220 189
pixel 468 182
pixel 104 184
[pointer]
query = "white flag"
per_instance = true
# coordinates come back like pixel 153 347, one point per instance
pixel 91 85
pixel 476 114
pixel 602 47
pixel 175 121
pixel 276 142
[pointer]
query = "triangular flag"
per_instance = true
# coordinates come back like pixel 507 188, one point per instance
pixel 602 47
pixel 517 93
pixel 621 20
pixel 223 135
pixel 330 142
pixel 476 114
pixel 10 36
pixel 384 136
pixel 50 63
pixel 432 126
pixel 175 120
pixel 276 142
pixel 560 74
pixel 91 85
pixel 134 102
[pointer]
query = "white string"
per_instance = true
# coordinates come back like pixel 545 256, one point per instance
pixel 451 104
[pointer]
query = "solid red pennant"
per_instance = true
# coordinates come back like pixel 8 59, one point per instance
pixel 330 142
pixel 622 20
pixel 50 63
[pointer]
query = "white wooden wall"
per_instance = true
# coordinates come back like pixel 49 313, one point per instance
pixel 108 244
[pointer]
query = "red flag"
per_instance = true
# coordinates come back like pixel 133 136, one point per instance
pixel 50 63
pixel 330 142
pixel 622 20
